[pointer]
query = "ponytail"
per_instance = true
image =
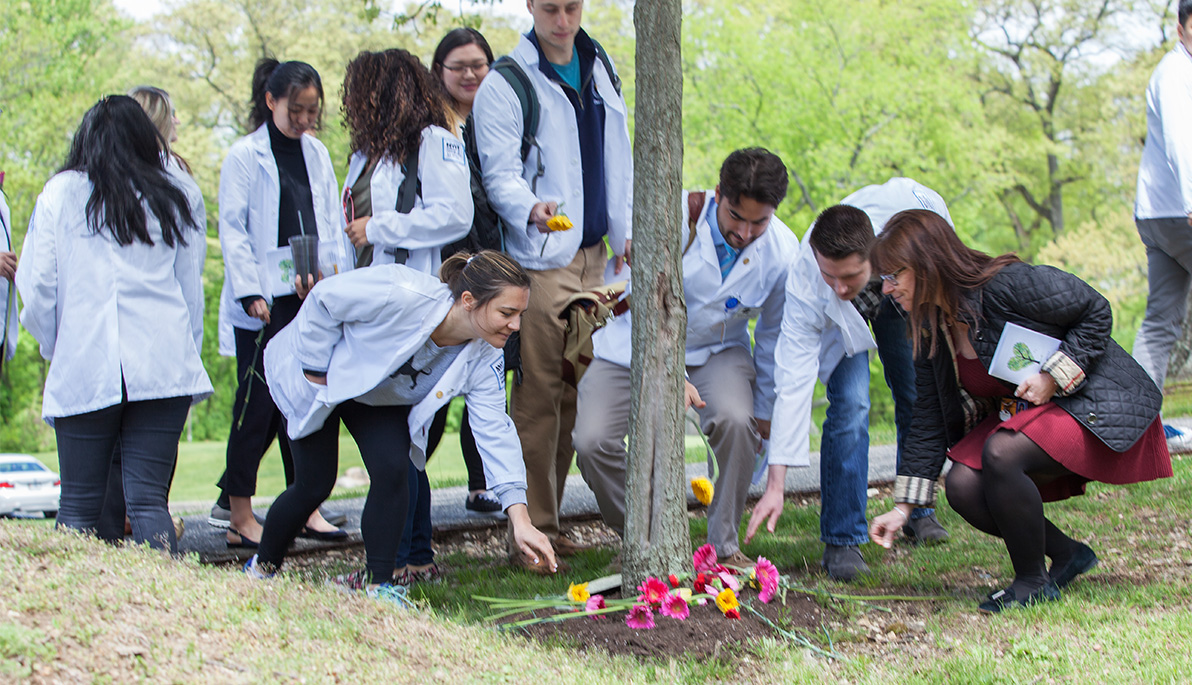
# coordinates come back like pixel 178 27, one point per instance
pixel 484 274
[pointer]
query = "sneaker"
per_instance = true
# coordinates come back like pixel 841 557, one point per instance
pixel 393 593
pixel 1178 442
pixel 483 504
pixel 349 582
pixel 738 560
pixel 843 562
pixel 259 571
pixel 1006 599
pixel 926 530
pixel 221 517
pixel 431 574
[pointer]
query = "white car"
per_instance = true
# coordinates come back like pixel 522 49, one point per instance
pixel 27 486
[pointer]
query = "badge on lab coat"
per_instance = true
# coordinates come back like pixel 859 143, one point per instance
pixel 453 151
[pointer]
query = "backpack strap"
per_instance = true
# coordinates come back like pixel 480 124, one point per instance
pixel 608 65
pixel 523 88
pixel 695 205
pixel 409 190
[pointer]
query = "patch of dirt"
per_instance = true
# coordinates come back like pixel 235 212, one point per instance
pixel 705 632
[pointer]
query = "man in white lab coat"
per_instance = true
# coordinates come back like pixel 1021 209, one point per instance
pixel 734 271
pixel 1163 209
pixel 580 165
pixel 832 298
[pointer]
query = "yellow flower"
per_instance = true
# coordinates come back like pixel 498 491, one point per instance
pixel 559 222
pixel 702 487
pixel 685 593
pixel 726 601
pixel 578 593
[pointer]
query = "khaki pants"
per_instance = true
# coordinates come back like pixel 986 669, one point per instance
pixel 543 405
pixel 725 383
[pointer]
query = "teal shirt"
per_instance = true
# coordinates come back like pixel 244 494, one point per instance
pixel 570 71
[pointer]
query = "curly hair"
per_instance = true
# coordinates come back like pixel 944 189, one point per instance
pixel 389 97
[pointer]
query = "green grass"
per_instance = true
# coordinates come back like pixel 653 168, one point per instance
pixel 144 616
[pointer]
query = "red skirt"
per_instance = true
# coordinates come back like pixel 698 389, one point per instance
pixel 1064 439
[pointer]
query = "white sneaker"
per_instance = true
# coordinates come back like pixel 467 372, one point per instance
pixel 1180 444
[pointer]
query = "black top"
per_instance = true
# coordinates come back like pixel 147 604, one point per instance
pixel 295 187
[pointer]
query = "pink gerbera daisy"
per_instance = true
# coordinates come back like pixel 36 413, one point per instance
pixel 705 558
pixel 640 617
pixel 594 603
pixel 767 578
pixel 652 591
pixel 675 606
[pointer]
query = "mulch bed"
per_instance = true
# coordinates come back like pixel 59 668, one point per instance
pixel 705 633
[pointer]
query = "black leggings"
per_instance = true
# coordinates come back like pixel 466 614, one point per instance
pixel 467 444
pixel 383 436
pixel 256 420
pixel 1002 499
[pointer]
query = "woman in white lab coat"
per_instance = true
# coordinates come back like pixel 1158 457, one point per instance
pixel 383 349
pixel 406 197
pixel 276 183
pixel 111 280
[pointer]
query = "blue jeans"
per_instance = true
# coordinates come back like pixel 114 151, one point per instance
pixel 844 454
pixel 898 364
pixel 415 547
pixel 147 432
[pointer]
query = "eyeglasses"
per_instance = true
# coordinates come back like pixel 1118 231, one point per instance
pixel 477 68
pixel 892 279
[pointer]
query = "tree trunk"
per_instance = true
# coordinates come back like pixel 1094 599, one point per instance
pixel 656 540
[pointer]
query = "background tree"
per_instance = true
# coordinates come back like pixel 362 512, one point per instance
pixel 657 541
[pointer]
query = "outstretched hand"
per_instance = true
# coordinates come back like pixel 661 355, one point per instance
pixel 767 510
pixel 531 541
pixel 886 526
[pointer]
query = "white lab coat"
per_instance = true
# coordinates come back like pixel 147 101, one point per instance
pixel 819 328
pixel 1165 170
pixel 8 308
pixel 498 119
pixel 249 194
pixel 103 313
pixel 362 326
pixel 442 212
pixel 756 281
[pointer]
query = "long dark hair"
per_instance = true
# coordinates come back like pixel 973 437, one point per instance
pixel 281 80
pixel 945 269
pixel 389 97
pixel 484 274
pixel 119 149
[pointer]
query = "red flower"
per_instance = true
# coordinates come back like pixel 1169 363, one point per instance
pixel 700 584
pixel 674 580
pixel 653 591
pixel 732 613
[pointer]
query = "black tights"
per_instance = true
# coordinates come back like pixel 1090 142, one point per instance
pixel 1002 499
pixel 383 436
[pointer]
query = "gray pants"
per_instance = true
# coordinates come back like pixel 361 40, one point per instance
pixel 1169 274
pixel 602 422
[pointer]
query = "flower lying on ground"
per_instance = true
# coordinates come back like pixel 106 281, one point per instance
pixel 674 606
pixel 766 575
pixel 653 591
pixel 726 601
pixel 578 593
pixel 704 558
pixel 640 617
pixel 594 603
pixel 703 490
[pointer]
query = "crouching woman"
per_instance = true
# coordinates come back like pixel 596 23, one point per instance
pixel 382 349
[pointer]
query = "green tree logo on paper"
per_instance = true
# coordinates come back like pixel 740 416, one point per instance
pixel 1022 357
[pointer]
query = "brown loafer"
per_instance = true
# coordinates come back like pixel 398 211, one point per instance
pixel 525 563
pixel 738 560
pixel 566 547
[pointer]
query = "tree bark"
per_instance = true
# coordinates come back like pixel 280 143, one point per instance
pixel 657 541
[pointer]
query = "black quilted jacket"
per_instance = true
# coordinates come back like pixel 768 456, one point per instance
pixel 1109 394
